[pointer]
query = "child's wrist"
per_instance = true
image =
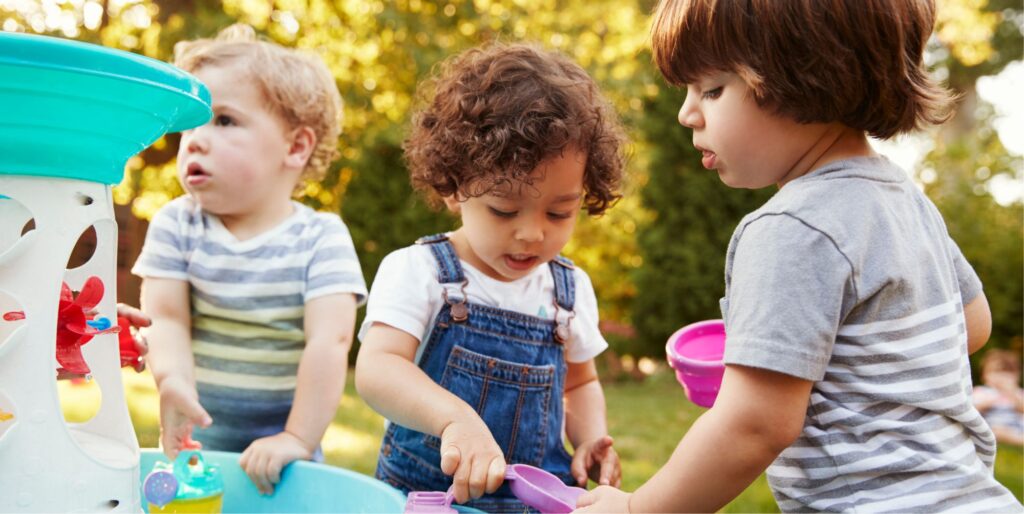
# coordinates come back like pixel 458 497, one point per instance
pixel 302 442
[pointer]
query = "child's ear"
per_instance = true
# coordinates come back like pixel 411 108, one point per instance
pixel 303 141
pixel 453 204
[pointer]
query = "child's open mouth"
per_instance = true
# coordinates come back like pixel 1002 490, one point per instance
pixel 708 159
pixel 195 175
pixel 520 262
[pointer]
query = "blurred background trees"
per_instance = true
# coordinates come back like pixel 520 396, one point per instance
pixel 657 258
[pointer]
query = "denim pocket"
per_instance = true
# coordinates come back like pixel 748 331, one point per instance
pixel 513 399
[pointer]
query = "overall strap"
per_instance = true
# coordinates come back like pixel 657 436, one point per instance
pixel 449 270
pixel 565 285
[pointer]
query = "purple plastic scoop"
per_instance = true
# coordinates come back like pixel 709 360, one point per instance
pixel 533 486
pixel 542 490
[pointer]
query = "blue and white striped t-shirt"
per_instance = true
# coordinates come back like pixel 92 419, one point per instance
pixel 848 278
pixel 248 299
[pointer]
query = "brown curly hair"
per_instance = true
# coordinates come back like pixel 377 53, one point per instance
pixel 296 85
pixel 498 111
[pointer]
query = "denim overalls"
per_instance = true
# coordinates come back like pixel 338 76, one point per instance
pixel 509 366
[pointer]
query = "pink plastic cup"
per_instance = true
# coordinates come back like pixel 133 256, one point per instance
pixel 695 352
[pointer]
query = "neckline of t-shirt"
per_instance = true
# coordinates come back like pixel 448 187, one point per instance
pixel 224 236
pixel 876 167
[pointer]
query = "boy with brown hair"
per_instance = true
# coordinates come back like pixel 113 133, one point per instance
pixel 849 311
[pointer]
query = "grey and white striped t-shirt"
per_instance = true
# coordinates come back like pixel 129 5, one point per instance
pixel 847 277
pixel 248 299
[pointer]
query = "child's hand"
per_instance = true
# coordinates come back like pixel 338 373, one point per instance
pixel 266 457
pixel 179 411
pixel 137 319
pixel 468 451
pixel 604 499
pixel 598 460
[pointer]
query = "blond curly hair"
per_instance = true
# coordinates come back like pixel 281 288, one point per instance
pixel 297 85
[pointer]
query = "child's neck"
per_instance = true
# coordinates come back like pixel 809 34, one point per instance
pixel 837 142
pixel 251 224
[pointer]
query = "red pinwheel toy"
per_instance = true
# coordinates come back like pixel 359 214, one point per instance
pixel 76 327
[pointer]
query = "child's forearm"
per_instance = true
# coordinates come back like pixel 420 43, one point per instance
pixel 170 351
pixel 321 382
pixel 166 301
pixel 585 413
pixel 712 465
pixel 401 392
pixel 757 414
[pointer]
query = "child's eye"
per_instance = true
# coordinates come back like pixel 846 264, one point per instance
pixel 560 215
pixel 223 120
pixel 711 94
pixel 502 214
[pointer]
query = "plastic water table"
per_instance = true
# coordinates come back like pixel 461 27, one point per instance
pixel 72 115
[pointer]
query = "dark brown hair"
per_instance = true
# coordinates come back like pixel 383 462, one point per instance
pixel 497 112
pixel 857 62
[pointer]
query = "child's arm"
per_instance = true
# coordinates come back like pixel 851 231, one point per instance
pixel 170 359
pixel 587 428
pixel 757 414
pixel 979 322
pixel 394 386
pixel 328 323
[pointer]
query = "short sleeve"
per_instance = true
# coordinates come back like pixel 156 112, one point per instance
pixel 587 341
pixel 970 284
pixel 784 298
pixel 165 251
pixel 334 267
pixel 402 293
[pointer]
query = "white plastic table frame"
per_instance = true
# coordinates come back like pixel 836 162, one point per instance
pixel 46 464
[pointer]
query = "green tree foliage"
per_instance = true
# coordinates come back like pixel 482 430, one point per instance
pixel 990 235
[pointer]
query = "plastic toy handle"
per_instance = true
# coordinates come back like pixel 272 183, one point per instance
pixel 425 502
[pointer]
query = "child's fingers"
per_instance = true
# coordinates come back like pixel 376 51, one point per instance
pixel 604 444
pixel 141 345
pixel 610 473
pixel 195 413
pixel 478 476
pixel 578 468
pixel 450 458
pixel 256 469
pixel 585 500
pixel 495 474
pixel 135 317
pixel 274 473
pixel 461 483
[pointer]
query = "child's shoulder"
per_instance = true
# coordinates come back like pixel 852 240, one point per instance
pixel 415 258
pixel 839 195
pixel 317 224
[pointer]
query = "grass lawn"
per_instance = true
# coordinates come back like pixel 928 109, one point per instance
pixel 647 420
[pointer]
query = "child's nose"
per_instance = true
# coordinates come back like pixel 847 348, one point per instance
pixel 195 140
pixel 688 116
pixel 529 232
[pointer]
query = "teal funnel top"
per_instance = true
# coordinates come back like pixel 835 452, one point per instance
pixel 79 111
